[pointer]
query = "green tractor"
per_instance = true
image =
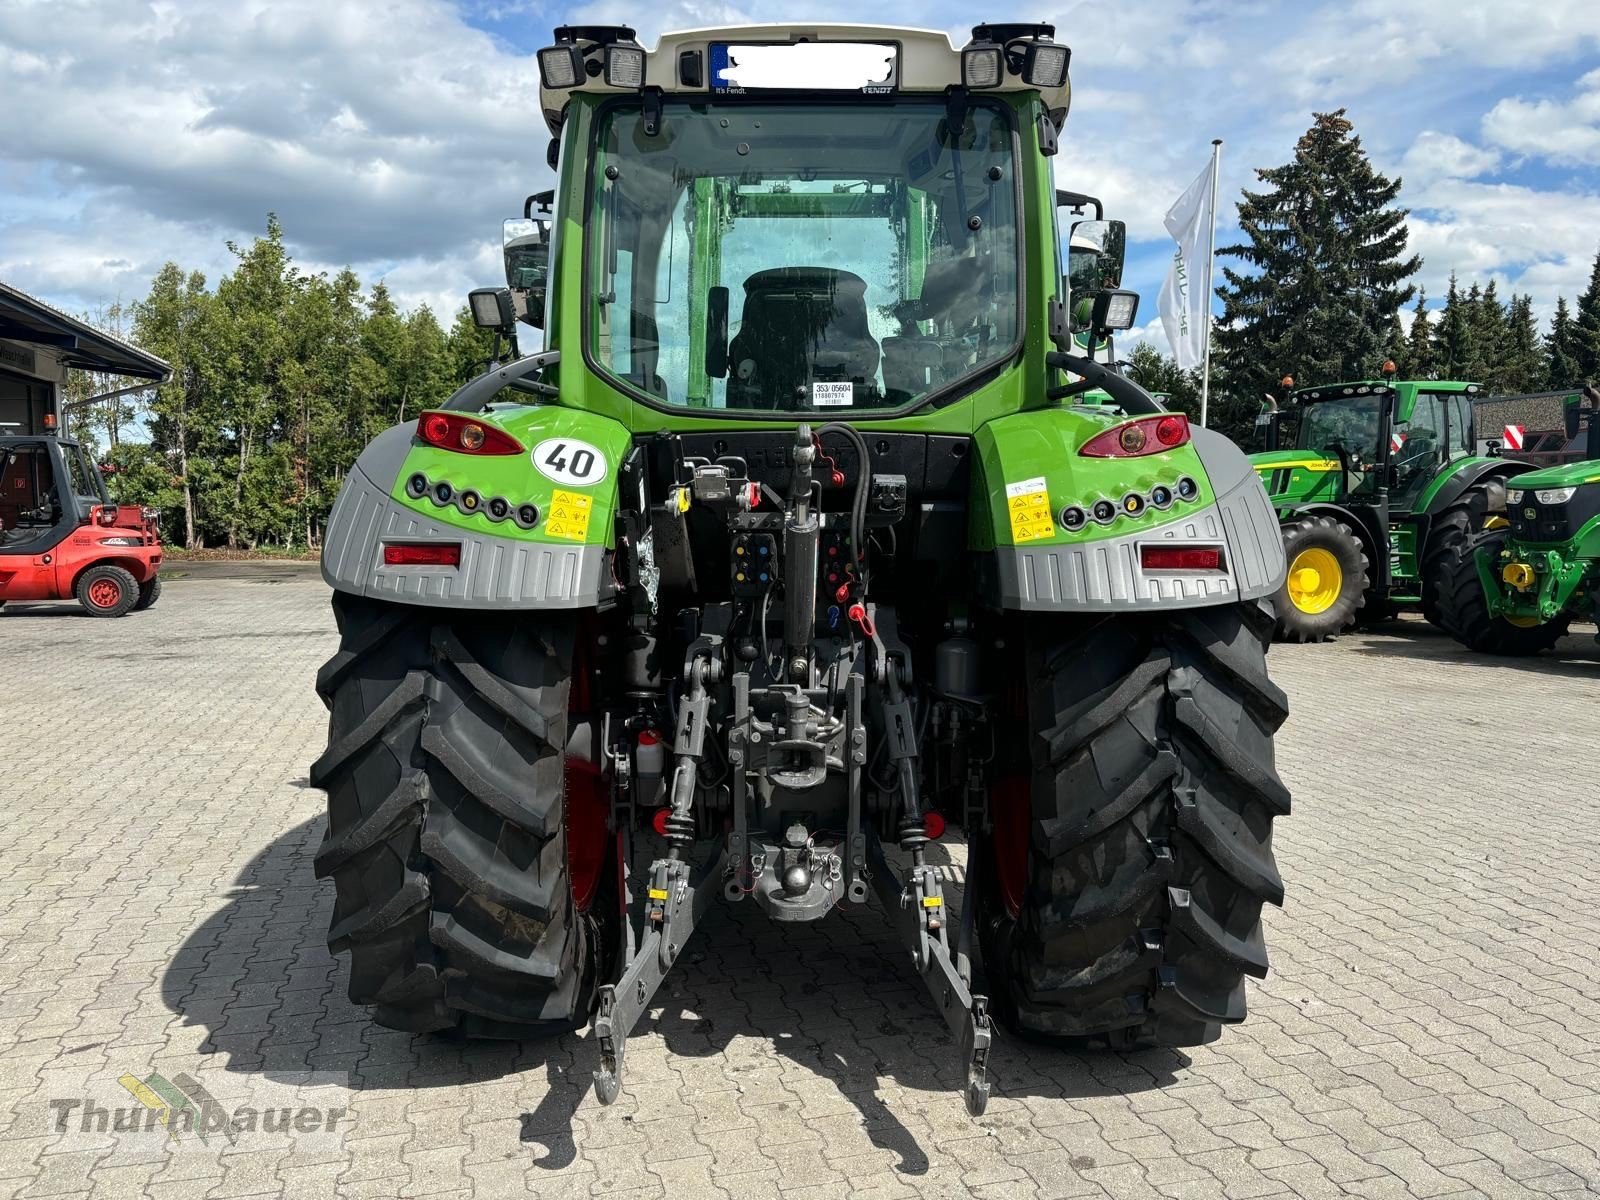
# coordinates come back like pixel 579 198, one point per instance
pixel 791 546
pixel 1514 588
pixel 1380 488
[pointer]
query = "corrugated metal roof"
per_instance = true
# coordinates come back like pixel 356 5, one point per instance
pixel 25 318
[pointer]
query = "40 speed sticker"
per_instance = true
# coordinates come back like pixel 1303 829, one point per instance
pixel 567 460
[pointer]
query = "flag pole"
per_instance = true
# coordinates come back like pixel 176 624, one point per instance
pixel 1211 255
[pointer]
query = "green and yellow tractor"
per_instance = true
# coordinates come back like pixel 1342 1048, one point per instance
pixel 1514 589
pixel 791 544
pixel 1380 487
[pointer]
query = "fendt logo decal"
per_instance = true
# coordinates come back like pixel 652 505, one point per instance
pixel 569 461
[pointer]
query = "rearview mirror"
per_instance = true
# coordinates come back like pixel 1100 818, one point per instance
pixel 1095 252
pixel 527 256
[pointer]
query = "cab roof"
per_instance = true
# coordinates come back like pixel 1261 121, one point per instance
pixel 927 62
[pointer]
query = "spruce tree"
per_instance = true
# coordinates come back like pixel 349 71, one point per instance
pixel 1522 365
pixel 1561 349
pixel 1453 334
pixel 1586 342
pixel 1324 268
pixel 1420 361
pixel 1488 319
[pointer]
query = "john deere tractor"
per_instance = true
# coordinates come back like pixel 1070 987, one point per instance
pixel 1514 588
pixel 1380 487
pixel 788 548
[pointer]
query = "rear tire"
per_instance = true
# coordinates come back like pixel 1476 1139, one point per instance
pixel 1465 607
pixel 1149 841
pixel 446 805
pixel 107 591
pixel 1328 552
pixel 149 593
pixel 1451 530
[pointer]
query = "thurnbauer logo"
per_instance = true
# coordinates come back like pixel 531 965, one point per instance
pixel 183 1110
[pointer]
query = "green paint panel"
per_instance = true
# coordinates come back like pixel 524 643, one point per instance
pixel 1043 444
pixel 1295 477
pixel 515 477
pixel 1573 474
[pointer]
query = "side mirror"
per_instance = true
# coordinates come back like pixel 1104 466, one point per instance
pixel 527 257
pixel 717 333
pixel 1095 254
pixel 492 308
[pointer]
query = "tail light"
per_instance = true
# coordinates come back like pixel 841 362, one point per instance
pixel 1147 435
pixel 422 554
pixel 1181 558
pixel 464 435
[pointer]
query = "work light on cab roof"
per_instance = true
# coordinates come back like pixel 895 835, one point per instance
pixel 872 60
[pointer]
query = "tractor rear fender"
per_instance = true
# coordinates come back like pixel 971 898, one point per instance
pixel 1031 478
pixel 534 527
pixel 1462 474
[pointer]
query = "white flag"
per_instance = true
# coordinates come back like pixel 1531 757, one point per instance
pixel 1185 302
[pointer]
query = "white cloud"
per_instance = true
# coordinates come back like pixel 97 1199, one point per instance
pixel 1435 156
pixel 1562 132
pixel 379 135
pixel 1351 49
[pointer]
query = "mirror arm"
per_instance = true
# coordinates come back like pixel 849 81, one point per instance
pixel 1077 200
pixel 1129 396
pixel 475 393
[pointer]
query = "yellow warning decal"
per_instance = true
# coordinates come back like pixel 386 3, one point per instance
pixel 569 516
pixel 1028 504
pixel 933 902
pixel 658 894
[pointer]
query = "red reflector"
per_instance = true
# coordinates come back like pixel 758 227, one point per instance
pixel 422 554
pixel 933 825
pixel 1174 558
pixel 658 821
pixel 452 431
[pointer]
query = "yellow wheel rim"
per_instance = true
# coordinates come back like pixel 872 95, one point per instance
pixel 1315 580
pixel 1497 523
pixel 1524 622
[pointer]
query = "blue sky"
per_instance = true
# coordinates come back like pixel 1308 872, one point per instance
pixel 393 137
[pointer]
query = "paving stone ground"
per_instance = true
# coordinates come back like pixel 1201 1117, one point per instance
pixel 1431 1027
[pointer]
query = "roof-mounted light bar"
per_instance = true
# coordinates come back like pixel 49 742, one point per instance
pixel 568 63
pixel 1028 51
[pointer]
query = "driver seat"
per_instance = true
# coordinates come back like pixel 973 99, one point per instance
pixel 800 324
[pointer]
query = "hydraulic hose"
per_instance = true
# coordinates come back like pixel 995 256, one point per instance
pixel 858 502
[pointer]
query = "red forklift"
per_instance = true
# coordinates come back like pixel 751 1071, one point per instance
pixel 62 537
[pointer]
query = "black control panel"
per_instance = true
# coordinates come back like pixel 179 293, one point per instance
pixel 755 564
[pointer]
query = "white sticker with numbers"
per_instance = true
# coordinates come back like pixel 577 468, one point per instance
pixel 567 460
pixel 833 394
